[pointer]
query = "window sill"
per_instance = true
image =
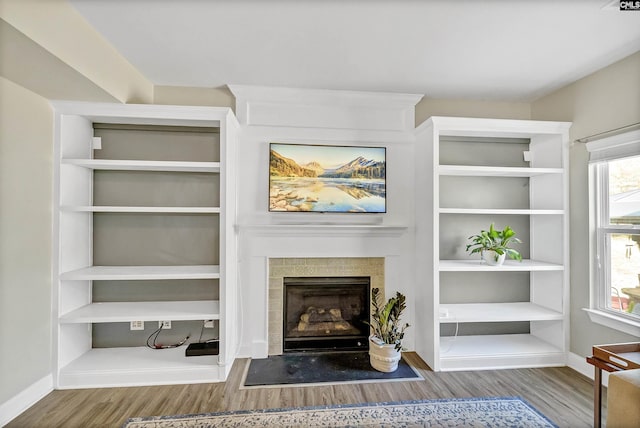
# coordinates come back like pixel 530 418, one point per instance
pixel 618 323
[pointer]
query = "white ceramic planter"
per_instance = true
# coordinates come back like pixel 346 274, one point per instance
pixel 383 357
pixel 492 258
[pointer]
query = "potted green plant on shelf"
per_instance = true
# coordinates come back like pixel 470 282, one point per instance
pixel 494 245
pixel 387 331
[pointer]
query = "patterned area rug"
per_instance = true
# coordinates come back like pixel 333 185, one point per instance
pixel 467 412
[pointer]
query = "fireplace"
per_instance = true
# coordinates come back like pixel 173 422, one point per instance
pixel 325 313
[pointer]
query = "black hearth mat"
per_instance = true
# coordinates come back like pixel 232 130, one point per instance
pixel 320 367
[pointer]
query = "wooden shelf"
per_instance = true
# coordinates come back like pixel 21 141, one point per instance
pixel 122 273
pixel 494 171
pixel 134 366
pixel 622 356
pixel 509 265
pixel 144 165
pixel 498 312
pixel 143 311
pixel 135 209
pixel 499 211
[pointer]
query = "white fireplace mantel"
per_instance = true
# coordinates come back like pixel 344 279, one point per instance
pixel 327 230
pixel 322 117
pixel 262 243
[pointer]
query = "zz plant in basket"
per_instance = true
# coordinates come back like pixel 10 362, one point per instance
pixel 496 241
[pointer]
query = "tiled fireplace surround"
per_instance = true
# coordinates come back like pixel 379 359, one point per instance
pixel 279 268
pixel 274 251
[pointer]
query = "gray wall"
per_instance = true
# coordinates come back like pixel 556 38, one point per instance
pixel 29 76
pixel 26 151
pixel 153 239
pixel 605 100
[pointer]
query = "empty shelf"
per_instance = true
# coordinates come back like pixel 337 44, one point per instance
pixel 144 311
pixel 114 273
pixel 138 209
pixel 144 165
pixel 495 171
pixel 498 312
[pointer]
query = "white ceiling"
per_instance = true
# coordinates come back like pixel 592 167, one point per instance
pixel 515 50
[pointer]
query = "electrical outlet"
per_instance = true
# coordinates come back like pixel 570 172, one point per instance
pixel 208 324
pixel 165 325
pixel 136 325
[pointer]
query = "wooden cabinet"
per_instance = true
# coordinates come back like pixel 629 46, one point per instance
pixel 471 173
pixel 122 224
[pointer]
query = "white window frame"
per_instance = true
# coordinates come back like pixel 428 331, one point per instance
pixel 600 152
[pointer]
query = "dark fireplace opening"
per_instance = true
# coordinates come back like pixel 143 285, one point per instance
pixel 326 313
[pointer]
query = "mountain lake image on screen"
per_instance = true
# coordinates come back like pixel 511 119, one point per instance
pixel 324 178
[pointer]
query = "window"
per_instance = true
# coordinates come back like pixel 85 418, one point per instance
pixel 618 238
pixel 615 220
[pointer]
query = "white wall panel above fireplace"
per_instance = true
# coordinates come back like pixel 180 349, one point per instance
pixel 322 117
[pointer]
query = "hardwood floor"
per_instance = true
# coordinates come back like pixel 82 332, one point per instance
pixel 561 394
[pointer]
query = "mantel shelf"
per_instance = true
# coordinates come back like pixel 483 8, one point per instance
pixel 297 229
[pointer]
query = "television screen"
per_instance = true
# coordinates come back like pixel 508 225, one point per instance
pixel 319 178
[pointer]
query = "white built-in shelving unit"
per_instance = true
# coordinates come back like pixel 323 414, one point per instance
pixel 470 173
pixel 77 363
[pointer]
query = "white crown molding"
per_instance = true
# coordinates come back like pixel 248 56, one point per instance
pixel 328 109
pixel 145 114
pixel 324 96
pixel 507 128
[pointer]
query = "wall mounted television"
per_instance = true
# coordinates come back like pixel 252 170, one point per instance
pixel 327 178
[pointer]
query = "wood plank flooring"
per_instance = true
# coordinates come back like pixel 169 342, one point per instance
pixel 561 394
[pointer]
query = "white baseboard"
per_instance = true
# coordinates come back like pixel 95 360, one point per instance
pixel 9 410
pixel 580 365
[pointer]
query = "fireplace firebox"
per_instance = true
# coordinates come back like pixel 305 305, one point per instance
pixel 326 313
